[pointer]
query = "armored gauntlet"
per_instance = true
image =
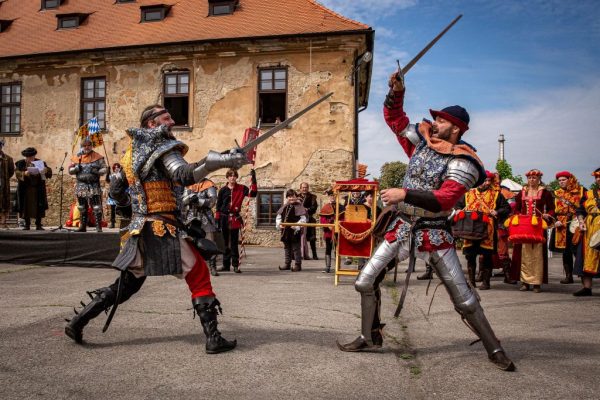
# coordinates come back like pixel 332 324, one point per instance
pixel 235 158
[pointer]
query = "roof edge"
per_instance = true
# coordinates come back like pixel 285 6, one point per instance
pixel 365 31
pixel 335 14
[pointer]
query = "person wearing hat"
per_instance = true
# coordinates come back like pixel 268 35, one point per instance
pixel 530 261
pixel 88 166
pixel 493 208
pixel 32 201
pixel 566 200
pixel 7 170
pixel 587 262
pixel 442 168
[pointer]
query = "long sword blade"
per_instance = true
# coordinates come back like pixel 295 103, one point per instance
pixel 280 126
pixel 412 62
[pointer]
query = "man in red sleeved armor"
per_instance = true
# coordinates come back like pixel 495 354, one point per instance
pixel 442 168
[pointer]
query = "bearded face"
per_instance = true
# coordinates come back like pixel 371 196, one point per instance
pixel 486 184
pixel 443 129
pixel 86 148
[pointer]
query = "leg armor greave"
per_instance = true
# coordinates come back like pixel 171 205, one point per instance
pixel 367 284
pixel 466 302
pixel 97 208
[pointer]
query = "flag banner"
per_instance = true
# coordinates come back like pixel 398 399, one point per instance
pixel 94 132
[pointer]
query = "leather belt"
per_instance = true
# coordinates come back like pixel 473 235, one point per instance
pixel 413 211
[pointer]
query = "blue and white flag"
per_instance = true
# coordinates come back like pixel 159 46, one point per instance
pixel 94 133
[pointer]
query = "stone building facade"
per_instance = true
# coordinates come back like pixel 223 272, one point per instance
pixel 215 84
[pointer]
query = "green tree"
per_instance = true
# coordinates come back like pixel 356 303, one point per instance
pixel 553 185
pixel 505 171
pixel 392 174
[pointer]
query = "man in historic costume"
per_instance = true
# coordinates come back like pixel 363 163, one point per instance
pixel 309 234
pixel 494 208
pixel 530 260
pixel 155 173
pixel 32 201
pixel 115 172
pixel 566 201
pixel 229 205
pixel 587 262
pixel 442 168
pixel 7 170
pixel 88 166
pixel 291 212
pixel 198 201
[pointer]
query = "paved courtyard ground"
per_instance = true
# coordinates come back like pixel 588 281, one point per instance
pixel 287 325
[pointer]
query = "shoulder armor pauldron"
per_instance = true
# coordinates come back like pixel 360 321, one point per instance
pixel 410 132
pixel 463 171
pixel 173 160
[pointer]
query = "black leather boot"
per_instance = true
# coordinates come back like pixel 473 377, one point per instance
pixel 213 266
pixel 471 272
pixel 102 300
pixel 486 274
pixel 313 247
pixel 428 274
pixel 207 309
pixel 377 336
pixel 568 274
pixel 327 264
pixel 83 221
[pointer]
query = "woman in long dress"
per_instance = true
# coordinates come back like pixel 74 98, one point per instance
pixel 530 261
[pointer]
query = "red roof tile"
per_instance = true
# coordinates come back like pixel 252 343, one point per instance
pixel 111 24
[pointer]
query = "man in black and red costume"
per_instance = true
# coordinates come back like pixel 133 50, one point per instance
pixel 229 207
pixel 441 170
pixel 155 173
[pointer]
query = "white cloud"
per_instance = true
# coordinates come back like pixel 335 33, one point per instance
pixel 363 9
pixel 554 130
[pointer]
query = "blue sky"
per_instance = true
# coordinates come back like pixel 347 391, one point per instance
pixel 527 69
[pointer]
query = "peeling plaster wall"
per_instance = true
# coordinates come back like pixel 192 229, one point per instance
pixel 318 148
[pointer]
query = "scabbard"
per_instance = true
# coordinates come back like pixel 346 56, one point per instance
pixel 117 301
pixel 411 266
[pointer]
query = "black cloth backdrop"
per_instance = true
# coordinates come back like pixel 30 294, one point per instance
pixel 88 249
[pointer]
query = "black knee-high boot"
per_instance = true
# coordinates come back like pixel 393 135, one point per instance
pixel 207 309
pixel 313 247
pixel 102 300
